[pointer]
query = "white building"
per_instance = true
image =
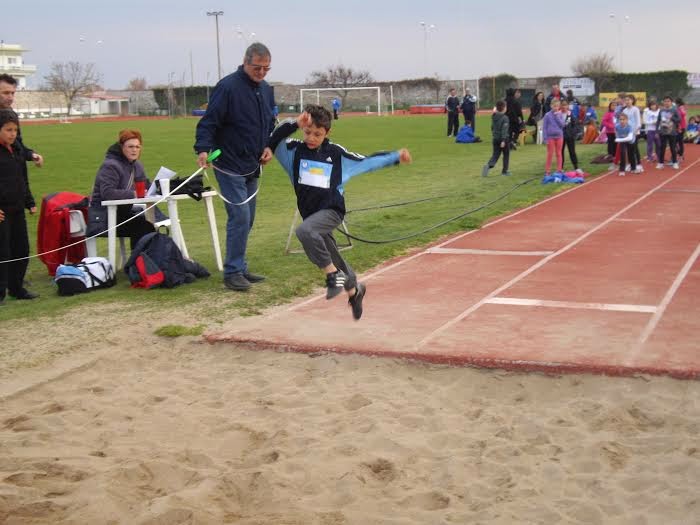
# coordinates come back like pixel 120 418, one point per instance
pixel 12 63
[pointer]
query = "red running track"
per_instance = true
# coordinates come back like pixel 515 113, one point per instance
pixel 603 278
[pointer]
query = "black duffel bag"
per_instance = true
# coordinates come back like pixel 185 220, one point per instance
pixel 194 187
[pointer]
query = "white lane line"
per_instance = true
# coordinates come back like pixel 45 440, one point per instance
pixel 656 318
pixel 679 190
pixel 544 261
pixel 468 251
pixel 451 240
pixel 637 308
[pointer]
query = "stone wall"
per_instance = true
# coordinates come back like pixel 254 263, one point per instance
pixel 51 103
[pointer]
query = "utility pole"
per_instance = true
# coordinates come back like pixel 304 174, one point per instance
pixel 216 15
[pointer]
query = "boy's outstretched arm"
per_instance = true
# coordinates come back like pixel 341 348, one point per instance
pixel 354 164
pixel 284 151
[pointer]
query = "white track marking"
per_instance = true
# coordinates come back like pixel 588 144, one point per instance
pixel 469 251
pixel 544 261
pixel 656 318
pixel 453 239
pixel 638 308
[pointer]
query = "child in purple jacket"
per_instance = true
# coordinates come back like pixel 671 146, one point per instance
pixel 553 135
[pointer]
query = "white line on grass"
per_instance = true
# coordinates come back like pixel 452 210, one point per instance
pixel 544 261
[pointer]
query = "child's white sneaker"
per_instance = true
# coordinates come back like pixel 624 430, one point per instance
pixel 579 171
pixel 675 165
pixel 638 169
pixel 628 167
pixel 659 166
pixel 611 167
pixel 621 174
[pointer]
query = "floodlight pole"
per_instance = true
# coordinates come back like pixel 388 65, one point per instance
pixel 216 15
pixel 619 20
pixel 426 29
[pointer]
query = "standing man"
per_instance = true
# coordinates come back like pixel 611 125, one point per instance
pixel 469 109
pixel 555 94
pixel 8 87
pixel 336 107
pixel 238 121
pixel 451 105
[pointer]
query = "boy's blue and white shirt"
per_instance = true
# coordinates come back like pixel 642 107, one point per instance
pixel 319 175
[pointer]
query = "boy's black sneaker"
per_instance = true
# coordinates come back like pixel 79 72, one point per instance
pixel 356 301
pixel 335 283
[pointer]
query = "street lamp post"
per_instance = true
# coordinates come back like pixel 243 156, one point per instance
pixel 619 21
pixel 216 15
pixel 426 29
pixel 207 87
pixel 170 94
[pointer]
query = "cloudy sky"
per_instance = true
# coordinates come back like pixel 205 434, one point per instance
pixel 156 38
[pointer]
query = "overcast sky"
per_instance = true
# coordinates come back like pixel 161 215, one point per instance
pixel 155 38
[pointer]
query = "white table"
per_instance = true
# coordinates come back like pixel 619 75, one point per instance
pixel 175 230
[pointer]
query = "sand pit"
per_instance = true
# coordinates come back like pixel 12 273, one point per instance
pixel 156 431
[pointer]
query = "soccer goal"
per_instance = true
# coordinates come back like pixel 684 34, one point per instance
pixel 355 100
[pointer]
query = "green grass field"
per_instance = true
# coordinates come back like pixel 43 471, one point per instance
pixel 73 153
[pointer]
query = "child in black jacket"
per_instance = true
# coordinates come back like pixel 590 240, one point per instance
pixel 318 170
pixel 570 132
pixel 14 188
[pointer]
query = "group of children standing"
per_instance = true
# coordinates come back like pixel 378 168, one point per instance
pixel 559 128
pixel 664 127
pixel 623 124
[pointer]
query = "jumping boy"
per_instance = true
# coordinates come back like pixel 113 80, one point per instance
pixel 500 132
pixel 14 187
pixel 318 170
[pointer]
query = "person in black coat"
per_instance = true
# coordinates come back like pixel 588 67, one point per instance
pixel 469 109
pixel 514 112
pixel 452 108
pixel 14 187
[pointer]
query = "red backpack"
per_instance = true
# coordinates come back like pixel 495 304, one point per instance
pixel 54 230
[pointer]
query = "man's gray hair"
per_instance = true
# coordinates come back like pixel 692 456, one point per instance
pixel 256 49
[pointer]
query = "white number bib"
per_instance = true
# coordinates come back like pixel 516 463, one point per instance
pixel 317 174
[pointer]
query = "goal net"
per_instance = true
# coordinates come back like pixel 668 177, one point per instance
pixel 353 99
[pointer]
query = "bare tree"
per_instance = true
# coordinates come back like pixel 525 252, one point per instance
pixel 72 79
pixel 341 77
pixel 137 84
pixel 599 67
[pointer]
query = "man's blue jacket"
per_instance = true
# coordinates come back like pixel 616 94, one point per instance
pixel 238 121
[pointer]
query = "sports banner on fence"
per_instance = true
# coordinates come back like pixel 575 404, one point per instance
pixel 581 87
pixel 606 98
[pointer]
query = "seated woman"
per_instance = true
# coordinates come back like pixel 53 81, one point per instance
pixel 591 134
pixel 116 179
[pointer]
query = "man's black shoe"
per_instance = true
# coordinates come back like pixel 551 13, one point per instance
pixel 25 295
pixel 253 278
pixel 237 282
pixel 335 283
pixel 356 301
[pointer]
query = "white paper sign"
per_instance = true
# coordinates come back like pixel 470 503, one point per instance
pixel 163 173
pixel 582 87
